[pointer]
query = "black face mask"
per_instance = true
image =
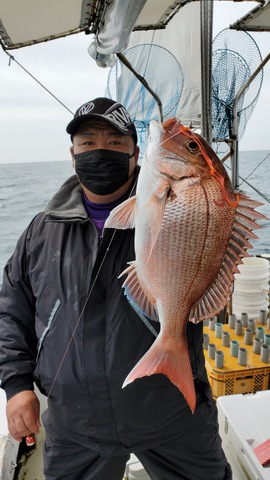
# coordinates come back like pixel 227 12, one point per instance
pixel 102 171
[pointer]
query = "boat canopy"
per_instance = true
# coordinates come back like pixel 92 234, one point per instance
pixel 115 26
pixel 257 20
pixel 185 32
pixel 27 22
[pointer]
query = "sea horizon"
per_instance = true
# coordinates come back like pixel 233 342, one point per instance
pixel 27 187
pixel 69 159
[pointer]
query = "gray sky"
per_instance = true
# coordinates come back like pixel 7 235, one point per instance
pixel 32 123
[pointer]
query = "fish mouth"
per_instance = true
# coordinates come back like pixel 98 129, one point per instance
pixel 180 179
pixel 176 158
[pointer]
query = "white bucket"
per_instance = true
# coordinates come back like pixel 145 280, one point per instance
pixel 135 470
pixel 251 287
pixel 250 304
pixel 253 276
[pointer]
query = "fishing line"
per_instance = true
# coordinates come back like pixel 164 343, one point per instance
pixel 82 311
pixel 86 301
pixel 188 133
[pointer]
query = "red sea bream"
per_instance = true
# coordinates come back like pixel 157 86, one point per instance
pixel 191 231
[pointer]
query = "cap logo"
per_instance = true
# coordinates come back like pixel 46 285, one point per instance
pixel 86 108
pixel 120 117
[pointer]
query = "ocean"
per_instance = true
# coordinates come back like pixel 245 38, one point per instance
pixel 26 188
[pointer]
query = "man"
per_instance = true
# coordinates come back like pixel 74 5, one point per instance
pixel 66 325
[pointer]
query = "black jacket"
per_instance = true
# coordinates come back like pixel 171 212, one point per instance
pixel 66 324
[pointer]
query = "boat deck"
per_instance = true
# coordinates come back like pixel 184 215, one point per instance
pixel 30 463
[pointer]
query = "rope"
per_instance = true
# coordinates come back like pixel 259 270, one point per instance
pixel 244 180
pixel 259 164
pixel 267 199
pixel 36 80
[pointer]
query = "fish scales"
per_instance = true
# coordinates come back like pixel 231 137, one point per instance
pixel 191 231
pixel 187 228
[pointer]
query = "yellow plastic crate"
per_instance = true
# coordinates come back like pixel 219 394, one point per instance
pixel 249 381
pixel 234 378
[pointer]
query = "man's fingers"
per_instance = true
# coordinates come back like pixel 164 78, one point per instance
pixel 30 420
pixel 23 415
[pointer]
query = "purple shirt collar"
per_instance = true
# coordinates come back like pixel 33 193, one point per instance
pixel 99 212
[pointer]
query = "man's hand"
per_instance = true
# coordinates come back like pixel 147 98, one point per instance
pixel 23 414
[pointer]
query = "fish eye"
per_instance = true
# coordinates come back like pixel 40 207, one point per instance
pixel 192 146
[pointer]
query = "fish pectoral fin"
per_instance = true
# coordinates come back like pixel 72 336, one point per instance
pixel 135 294
pixel 156 206
pixel 173 362
pixel 122 217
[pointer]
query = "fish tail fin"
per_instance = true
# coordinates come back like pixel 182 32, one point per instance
pixel 173 362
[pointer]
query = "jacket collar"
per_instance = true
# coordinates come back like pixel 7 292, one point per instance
pixel 68 203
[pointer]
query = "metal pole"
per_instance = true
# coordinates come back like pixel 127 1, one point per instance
pixel 206 13
pixel 235 155
pixel 125 61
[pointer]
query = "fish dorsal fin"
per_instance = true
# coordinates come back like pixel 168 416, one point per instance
pixel 123 216
pixel 216 297
pixel 136 295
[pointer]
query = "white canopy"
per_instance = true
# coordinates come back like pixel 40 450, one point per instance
pixel 26 22
pixel 257 20
pixel 176 25
pixel 182 39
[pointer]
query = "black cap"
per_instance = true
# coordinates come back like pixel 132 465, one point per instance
pixel 106 109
